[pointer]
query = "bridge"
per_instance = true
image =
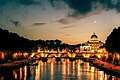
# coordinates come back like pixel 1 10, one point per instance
pixel 71 55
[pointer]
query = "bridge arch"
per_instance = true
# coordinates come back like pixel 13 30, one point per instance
pixel 64 55
pixel 79 56
pixel 67 55
pixel 51 55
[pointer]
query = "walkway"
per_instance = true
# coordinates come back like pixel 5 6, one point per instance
pixel 106 64
pixel 109 68
pixel 14 64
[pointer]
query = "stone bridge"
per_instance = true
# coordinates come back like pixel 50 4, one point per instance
pixel 67 55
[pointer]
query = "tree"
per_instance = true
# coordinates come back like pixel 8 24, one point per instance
pixel 112 43
pixel 13 42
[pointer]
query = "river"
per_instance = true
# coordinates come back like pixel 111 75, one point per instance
pixel 52 70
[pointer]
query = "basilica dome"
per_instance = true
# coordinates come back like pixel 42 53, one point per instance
pixel 92 44
pixel 94 38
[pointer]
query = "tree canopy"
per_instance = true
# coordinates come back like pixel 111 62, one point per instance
pixel 13 42
pixel 112 43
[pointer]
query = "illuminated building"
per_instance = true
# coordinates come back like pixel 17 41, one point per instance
pixel 92 45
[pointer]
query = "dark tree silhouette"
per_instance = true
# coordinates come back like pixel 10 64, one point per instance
pixel 112 43
pixel 13 42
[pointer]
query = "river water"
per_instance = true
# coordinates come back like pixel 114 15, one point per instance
pixel 52 70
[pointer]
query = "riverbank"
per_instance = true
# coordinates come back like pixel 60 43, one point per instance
pixel 14 64
pixel 107 67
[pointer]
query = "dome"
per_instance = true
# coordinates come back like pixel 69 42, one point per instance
pixel 94 36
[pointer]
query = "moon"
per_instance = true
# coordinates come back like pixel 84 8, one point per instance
pixel 95 21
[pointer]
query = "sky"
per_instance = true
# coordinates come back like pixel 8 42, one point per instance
pixel 72 21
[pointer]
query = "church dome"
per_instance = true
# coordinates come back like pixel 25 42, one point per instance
pixel 94 38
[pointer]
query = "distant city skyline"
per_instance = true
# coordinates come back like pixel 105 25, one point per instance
pixel 71 21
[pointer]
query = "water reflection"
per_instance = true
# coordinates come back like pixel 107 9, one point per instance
pixel 52 70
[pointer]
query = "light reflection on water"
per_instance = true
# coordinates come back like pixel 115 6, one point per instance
pixel 52 70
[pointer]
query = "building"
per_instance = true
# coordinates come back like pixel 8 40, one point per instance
pixel 92 45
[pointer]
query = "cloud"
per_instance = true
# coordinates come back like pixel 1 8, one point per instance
pixel 55 3
pixel 38 24
pixel 67 35
pixel 58 4
pixel 63 21
pixel 29 2
pixel 16 23
pixel 111 4
pixel 81 6
pixel 87 15
pixel 86 6
pixel 67 27
pixel 75 16
pixel 2 2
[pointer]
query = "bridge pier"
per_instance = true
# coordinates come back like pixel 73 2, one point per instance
pixel 72 59
pixel 44 59
pixel 58 59
pixel 85 59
